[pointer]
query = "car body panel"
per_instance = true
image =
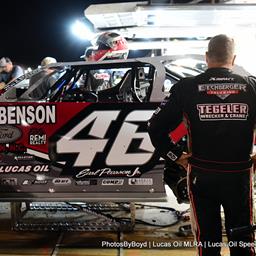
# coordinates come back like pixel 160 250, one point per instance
pixel 71 143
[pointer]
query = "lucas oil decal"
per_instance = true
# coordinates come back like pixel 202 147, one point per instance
pixel 23 168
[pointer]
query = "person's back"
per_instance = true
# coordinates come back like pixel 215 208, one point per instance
pixel 37 77
pixel 220 107
pixel 220 111
pixel 44 76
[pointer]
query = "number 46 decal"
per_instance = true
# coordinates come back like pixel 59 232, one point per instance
pixel 100 121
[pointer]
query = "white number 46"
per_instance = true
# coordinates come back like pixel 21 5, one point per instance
pixel 88 148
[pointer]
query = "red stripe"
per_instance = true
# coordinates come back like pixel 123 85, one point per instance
pixel 189 130
pixel 218 170
pixel 194 213
pixel 219 162
pixel 177 134
pixel 251 210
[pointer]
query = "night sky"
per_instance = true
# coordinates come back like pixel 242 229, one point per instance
pixel 33 29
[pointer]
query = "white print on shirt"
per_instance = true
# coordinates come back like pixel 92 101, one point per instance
pixel 172 156
pixel 224 111
pixel 222 90
pixel 216 79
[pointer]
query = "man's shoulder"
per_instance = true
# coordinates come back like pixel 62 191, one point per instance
pixel 17 67
pixel 250 79
pixel 184 86
pixel 17 70
pixel 188 82
pixel 36 77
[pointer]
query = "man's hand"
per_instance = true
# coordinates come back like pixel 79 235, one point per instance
pixel 2 85
pixel 253 157
pixel 183 160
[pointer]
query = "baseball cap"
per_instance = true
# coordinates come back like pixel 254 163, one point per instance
pixel 48 60
pixel 88 52
pixel 3 62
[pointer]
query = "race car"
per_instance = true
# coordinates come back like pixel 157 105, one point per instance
pixel 80 132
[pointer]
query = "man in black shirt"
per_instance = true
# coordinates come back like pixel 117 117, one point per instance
pixel 8 71
pixel 219 108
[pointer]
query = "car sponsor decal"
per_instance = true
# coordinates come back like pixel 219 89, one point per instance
pixel 108 172
pixel 61 181
pixel 28 114
pixel 222 90
pixel 38 182
pixel 79 140
pixel 26 182
pixel 86 182
pixel 37 136
pixel 141 181
pixel 24 168
pixel 9 134
pixel 36 120
pixel 24 158
pixel 112 182
pixel 13 147
pixel 8 181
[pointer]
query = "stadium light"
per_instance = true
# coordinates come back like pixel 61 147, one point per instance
pixel 80 30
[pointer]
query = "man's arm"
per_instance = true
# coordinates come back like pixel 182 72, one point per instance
pixel 165 119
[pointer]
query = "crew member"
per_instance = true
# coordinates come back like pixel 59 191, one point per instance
pixel 8 71
pixel 45 77
pixel 219 108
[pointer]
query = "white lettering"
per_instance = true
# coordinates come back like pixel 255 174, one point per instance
pixel 27 114
pixel 230 111
pixel 87 149
pixel 118 154
pixel 107 172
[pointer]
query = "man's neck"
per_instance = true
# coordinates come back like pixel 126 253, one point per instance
pixel 220 65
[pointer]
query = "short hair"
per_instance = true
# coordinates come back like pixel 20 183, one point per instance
pixel 221 48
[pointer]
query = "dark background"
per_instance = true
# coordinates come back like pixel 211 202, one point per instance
pixel 33 29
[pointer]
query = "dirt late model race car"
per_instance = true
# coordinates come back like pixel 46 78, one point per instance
pixel 77 131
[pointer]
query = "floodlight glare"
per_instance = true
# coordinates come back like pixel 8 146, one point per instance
pixel 80 30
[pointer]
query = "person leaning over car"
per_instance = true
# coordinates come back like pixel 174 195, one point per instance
pixel 219 108
pixel 8 71
pixel 45 71
pixel 45 76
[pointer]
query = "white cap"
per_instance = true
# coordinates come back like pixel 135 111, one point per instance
pixel 48 60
